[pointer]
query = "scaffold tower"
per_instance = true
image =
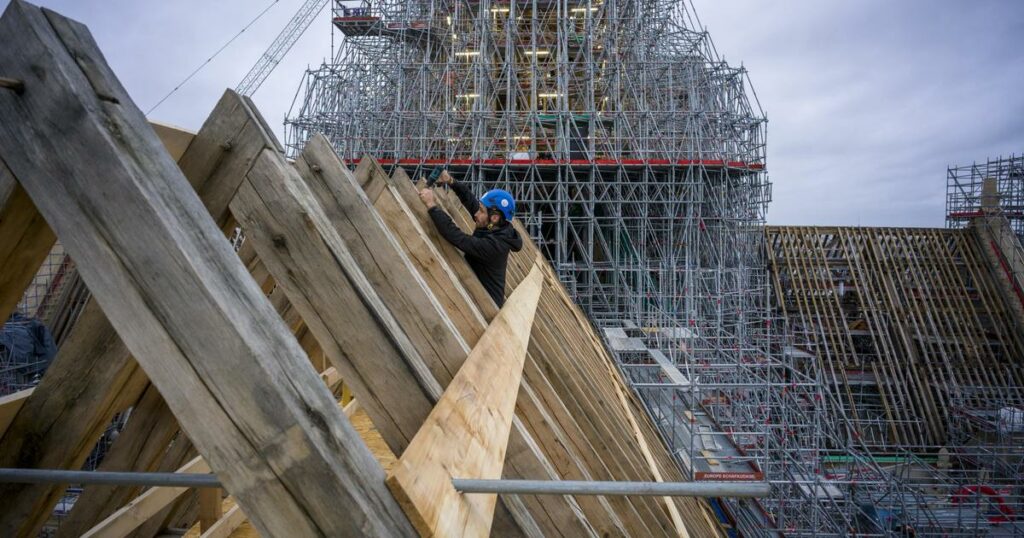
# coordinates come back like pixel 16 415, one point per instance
pixel 636 153
pixel 966 195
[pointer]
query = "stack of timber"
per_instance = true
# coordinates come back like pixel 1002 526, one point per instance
pixel 919 314
pixel 235 359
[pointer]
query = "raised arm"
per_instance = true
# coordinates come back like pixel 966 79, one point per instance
pixel 469 201
pixel 474 246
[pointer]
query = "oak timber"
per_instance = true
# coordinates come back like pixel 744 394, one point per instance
pixel 93 375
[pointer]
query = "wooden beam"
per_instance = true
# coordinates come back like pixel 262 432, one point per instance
pixel 301 248
pixel 466 434
pixel 177 293
pixel 210 509
pixel 25 240
pixel 93 375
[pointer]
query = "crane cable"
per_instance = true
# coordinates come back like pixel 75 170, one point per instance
pixel 208 60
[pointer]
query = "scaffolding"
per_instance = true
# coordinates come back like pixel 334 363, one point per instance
pixel 912 337
pixel 966 197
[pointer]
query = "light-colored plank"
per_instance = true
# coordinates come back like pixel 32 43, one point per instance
pixel 176 292
pixel 226 525
pixel 10 405
pixel 143 507
pixel 209 507
pixel 25 240
pixel 466 434
pixel 174 139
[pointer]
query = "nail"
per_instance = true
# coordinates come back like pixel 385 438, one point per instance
pixel 12 84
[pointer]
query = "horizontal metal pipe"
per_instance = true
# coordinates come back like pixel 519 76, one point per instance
pixel 586 487
pixel 62 476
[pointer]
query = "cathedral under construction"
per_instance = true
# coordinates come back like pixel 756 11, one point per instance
pixel 870 379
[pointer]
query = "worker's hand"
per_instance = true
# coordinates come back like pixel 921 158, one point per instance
pixel 427 197
pixel 445 179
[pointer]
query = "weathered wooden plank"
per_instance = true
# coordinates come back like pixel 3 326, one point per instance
pixel 93 376
pixel 176 292
pixel 466 434
pixel 25 240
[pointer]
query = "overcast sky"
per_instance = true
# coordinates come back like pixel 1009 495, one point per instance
pixel 868 101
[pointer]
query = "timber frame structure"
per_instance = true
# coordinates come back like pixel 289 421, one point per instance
pixel 229 352
pixel 916 338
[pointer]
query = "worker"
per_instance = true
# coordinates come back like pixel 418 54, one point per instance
pixel 488 248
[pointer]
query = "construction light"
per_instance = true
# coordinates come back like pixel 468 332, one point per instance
pixel 550 94
pixel 467 95
pixel 500 10
pixel 538 52
pixel 582 9
pixel 467 53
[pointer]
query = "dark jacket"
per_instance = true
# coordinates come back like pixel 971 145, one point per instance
pixel 486 250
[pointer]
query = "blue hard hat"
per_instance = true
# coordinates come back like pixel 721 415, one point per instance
pixel 501 200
